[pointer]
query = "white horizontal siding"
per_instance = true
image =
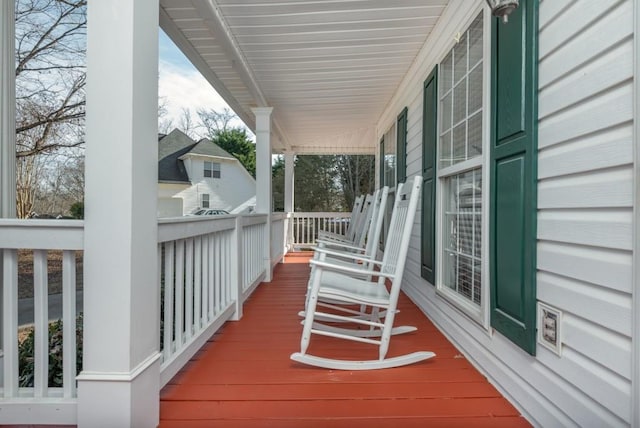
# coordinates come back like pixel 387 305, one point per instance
pixel 585 219
pixel 610 188
pixel 598 305
pixel 585 195
pixel 600 266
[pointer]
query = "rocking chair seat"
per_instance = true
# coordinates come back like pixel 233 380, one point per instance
pixel 353 290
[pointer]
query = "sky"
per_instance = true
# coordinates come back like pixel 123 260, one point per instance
pixel 181 86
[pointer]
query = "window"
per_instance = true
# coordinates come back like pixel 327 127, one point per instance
pixel 205 200
pixel 401 151
pixel 388 168
pixel 460 165
pixel 211 169
pixel 389 159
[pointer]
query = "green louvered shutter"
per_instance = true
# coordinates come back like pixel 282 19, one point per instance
pixel 429 141
pixel 401 149
pixel 513 176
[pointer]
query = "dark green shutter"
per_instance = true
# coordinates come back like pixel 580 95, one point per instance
pixel 429 144
pixel 382 163
pixel 401 150
pixel 513 176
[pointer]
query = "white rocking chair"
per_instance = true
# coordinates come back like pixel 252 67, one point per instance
pixel 350 255
pixel 369 240
pixel 335 283
pixel 350 232
pixel 357 233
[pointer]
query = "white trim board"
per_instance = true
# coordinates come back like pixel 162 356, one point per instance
pixel 635 338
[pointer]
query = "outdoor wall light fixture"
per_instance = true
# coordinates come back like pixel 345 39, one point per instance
pixel 502 8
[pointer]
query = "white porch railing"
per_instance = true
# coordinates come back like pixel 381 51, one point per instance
pixel 207 268
pixel 24 397
pixel 307 224
pixel 254 244
pixel 279 224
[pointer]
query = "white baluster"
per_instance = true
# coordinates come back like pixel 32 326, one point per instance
pixel 69 323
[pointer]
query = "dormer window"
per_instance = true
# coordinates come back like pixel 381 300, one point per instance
pixel 212 169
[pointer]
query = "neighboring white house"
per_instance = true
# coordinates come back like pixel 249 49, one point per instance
pixel 193 175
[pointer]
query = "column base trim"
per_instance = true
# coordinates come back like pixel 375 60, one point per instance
pixel 120 376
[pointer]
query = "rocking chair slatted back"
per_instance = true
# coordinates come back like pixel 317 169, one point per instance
pixel 355 213
pixel 377 219
pixel 397 245
pixel 362 223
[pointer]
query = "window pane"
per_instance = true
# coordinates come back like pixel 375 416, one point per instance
pixel 475 42
pixel 207 169
pixel 462 99
pixel 446 71
pixel 445 150
pixel 460 59
pixel 445 115
pixel 474 135
pixel 463 234
pixel 459 144
pixel 215 170
pixel 390 156
pixel 475 89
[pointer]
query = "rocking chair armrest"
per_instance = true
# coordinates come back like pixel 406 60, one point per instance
pixel 339 244
pixel 352 256
pixel 347 269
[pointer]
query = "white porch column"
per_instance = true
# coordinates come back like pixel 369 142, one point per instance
pixel 289 190
pixel 119 384
pixel 263 175
pixel 7 110
pixel 7 131
pixel 289 182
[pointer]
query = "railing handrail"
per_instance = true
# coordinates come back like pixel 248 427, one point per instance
pixel 251 219
pixel 42 234
pixel 170 229
pixel 337 214
pixel 278 216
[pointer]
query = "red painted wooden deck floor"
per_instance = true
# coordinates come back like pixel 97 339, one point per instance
pixel 243 376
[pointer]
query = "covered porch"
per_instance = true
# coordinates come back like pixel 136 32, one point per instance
pixel 242 376
pixel 176 323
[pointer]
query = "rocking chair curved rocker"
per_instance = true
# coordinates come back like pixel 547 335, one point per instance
pixel 345 285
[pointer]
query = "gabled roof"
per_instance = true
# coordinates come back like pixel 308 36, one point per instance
pixel 174 146
pixel 170 148
pixel 208 148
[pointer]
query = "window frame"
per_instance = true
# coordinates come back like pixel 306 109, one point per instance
pixel 212 170
pixel 207 201
pixel 401 145
pixel 481 313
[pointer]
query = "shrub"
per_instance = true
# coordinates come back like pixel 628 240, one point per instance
pixel 27 346
pixel 77 210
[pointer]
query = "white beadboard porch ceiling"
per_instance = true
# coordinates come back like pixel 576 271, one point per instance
pixel 327 67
